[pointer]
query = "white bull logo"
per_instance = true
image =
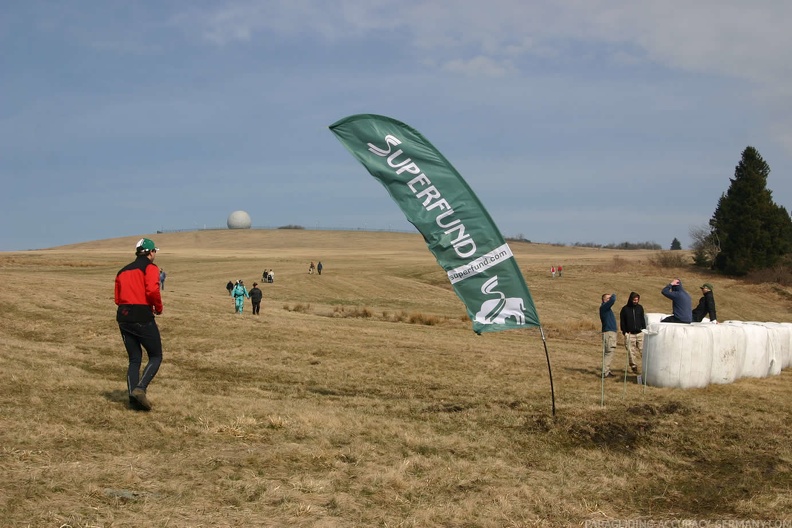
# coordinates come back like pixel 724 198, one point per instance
pixel 497 311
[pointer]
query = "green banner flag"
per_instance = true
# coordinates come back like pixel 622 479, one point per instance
pixel 458 230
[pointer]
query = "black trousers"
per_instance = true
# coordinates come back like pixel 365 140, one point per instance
pixel 256 307
pixel 673 319
pixel 136 337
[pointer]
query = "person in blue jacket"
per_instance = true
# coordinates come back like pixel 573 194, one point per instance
pixel 239 293
pixel 681 306
pixel 608 332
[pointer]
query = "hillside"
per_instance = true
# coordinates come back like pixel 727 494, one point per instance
pixel 362 397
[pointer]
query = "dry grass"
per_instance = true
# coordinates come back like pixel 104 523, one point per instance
pixel 361 397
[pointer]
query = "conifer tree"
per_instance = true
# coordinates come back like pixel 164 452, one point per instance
pixel 753 231
pixel 676 244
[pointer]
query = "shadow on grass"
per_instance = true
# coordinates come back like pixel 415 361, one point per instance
pixel 122 397
pixel 690 471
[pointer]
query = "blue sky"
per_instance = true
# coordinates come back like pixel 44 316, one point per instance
pixel 573 120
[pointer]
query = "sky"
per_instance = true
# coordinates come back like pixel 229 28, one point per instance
pixel 574 121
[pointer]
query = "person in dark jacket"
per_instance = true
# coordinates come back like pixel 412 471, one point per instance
pixel 230 287
pixel 681 305
pixel 631 322
pixel 255 298
pixel 608 321
pixel 706 305
pixel 137 294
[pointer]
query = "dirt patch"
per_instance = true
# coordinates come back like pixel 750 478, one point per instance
pixel 607 429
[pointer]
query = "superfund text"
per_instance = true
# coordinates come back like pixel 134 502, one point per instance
pixel 430 197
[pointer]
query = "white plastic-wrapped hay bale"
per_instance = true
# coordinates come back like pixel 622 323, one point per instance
pixel 777 346
pixel 728 351
pixel 757 353
pixel 777 340
pixel 654 318
pixel 786 355
pixel 677 355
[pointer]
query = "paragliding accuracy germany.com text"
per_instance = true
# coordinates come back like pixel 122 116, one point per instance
pixel 690 523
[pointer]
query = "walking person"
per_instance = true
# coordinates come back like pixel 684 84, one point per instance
pixel 552 271
pixel 631 323
pixel 311 268
pixel 608 321
pixel 680 303
pixel 255 298
pixel 240 293
pixel 137 295
pixel 560 271
pixel 162 279
pixel 319 268
pixel 229 287
pixel 706 305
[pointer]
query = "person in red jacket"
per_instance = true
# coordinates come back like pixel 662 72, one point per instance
pixel 137 294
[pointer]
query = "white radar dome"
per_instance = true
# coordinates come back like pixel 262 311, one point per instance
pixel 239 220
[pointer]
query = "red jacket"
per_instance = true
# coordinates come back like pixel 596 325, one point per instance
pixel 137 292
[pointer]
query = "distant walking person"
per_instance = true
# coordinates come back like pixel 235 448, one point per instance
pixel 552 271
pixel 162 279
pixel 560 271
pixel 632 321
pixel 255 298
pixel 680 303
pixel 240 293
pixel 319 268
pixel 311 268
pixel 706 305
pixel 229 287
pixel 137 295
pixel 608 321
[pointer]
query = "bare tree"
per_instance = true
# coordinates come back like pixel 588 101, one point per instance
pixel 705 246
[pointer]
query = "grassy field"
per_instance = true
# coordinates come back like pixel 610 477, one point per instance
pixel 362 397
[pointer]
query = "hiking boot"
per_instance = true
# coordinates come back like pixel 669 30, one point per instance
pixel 140 395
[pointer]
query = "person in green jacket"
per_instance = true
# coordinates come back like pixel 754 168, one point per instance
pixel 239 293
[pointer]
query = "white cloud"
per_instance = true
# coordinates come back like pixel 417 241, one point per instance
pixel 479 66
pixel 731 37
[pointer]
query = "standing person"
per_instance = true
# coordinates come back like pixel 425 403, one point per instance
pixel 311 268
pixel 608 332
pixel 706 305
pixel 680 303
pixel 255 298
pixel 271 276
pixel 162 279
pixel 229 287
pixel 560 271
pixel 240 293
pixel 138 298
pixel 319 268
pixel 552 271
pixel 631 322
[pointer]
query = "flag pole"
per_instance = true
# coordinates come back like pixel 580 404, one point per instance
pixel 626 366
pixel 549 370
pixel 602 376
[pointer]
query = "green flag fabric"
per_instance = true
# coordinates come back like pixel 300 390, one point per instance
pixel 440 204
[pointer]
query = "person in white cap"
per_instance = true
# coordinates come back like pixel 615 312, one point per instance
pixel 137 294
